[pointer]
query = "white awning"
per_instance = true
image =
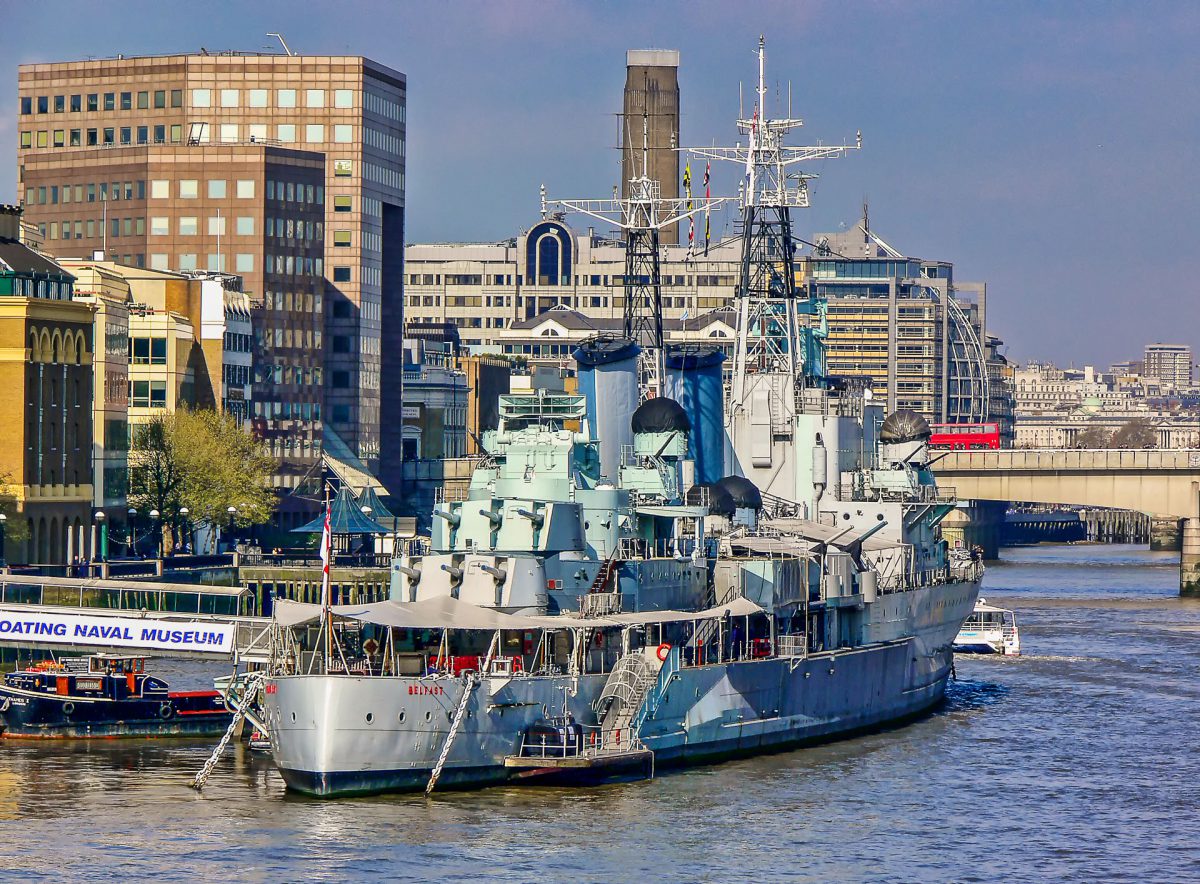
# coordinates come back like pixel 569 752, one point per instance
pixel 739 607
pixel 815 532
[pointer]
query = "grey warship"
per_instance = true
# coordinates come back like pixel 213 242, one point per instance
pixel 610 598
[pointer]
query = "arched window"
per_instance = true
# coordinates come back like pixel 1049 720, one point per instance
pixel 548 259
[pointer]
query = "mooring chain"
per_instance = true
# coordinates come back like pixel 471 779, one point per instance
pixel 250 690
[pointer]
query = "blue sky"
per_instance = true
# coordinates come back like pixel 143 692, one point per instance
pixel 1048 149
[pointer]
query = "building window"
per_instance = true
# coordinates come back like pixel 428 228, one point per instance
pixel 245 225
pixel 216 188
pixel 189 188
pixel 93 137
pixel 76 103
pixel 26 105
pixel 343 168
pixel 341 274
pixel 245 189
pixel 285 132
pixel 27 138
pixel 160 134
pixel 143 134
pixel 314 98
pixel 126 101
pixel 110 101
pixel 60 104
pixel 187 225
pixel 229 133
pixel 229 98
pixel 160 226
pixel 187 262
pixel 343 98
pixel 216 225
pixel 143 101
pixel 244 263
pixel 314 133
pixel 126 136
pixel 343 203
pixel 160 189
pixel 343 134
pixel 285 98
pixel 110 136
pixel 176 133
pixel 93 101
pixel 160 98
pixel 341 237
pixel 216 263
pixel 201 98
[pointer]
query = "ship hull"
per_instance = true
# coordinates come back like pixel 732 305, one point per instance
pixel 24 715
pixel 345 735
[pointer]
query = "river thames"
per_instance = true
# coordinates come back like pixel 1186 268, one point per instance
pixel 1076 761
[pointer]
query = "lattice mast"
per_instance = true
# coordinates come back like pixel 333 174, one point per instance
pixel 769 339
pixel 641 217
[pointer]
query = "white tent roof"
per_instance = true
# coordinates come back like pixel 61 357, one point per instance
pixel 448 612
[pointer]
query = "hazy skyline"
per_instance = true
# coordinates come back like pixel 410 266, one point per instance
pixel 1047 150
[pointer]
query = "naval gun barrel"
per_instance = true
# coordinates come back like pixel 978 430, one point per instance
pixel 452 518
pixel 499 573
pixel 536 518
pixel 455 573
pixel 413 574
pixel 494 517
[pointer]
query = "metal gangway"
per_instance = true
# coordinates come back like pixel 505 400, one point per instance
pixel 86 615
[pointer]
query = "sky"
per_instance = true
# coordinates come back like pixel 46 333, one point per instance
pixel 1047 149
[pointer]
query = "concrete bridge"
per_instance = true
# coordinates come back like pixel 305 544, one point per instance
pixel 1162 483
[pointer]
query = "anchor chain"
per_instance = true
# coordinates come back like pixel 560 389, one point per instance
pixel 469 683
pixel 250 691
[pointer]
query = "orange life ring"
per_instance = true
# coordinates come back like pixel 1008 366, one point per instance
pixel 664 650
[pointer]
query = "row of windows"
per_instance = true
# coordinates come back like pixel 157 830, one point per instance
pixel 42 288
pixel 288 228
pixel 287 374
pixel 284 98
pixel 235 375
pixel 189 225
pixel 304 302
pixel 189 188
pixel 94 101
pixel 385 107
pixel 235 342
pixel 383 176
pixel 587 280
pixel 53 195
pixel 381 141
pixel 271 410
pixel 102 136
pixel 291 265
pixel 288 337
pixel 148 394
pixel 285 133
pixel 148 351
pixel 291 192
pixel 243 262
pixel 93 227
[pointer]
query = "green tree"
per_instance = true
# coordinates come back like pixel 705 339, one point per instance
pixel 1137 433
pixel 1094 436
pixel 204 461
pixel 15 529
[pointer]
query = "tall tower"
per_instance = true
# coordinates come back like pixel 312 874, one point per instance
pixel 652 90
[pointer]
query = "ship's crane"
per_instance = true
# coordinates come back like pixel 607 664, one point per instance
pixel 642 216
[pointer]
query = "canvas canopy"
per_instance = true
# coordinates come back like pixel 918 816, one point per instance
pixel 813 532
pixel 446 612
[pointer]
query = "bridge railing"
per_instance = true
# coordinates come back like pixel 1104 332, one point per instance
pixel 1081 459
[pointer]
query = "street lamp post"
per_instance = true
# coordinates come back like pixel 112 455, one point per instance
pixel 102 521
pixel 232 513
pixel 130 530
pixel 187 534
pixel 156 527
pixel 3 525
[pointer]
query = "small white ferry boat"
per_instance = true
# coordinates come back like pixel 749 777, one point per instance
pixel 989 630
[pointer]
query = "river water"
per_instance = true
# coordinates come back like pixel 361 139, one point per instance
pixel 1076 761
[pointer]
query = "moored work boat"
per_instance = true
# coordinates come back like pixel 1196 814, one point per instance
pixel 108 696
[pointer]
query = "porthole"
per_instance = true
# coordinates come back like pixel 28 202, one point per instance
pixel 429 716
pixel 400 717
pixel 293 716
pixel 545 709
pixel 370 717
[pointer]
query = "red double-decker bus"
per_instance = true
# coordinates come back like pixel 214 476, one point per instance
pixel 962 437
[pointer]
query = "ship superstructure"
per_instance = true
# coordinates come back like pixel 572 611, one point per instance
pixel 611 595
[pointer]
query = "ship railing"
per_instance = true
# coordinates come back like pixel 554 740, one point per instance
pixel 592 740
pixel 632 548
pixel 791 645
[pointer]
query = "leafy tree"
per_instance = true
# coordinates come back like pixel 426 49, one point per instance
pixel 1094 437
pixel 15 529
pixel 1137 433
pixel 202 460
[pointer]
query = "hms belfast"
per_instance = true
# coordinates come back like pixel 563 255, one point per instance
pixel 656 570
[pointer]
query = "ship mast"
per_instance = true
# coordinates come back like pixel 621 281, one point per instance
pixel 769 337
pixel 642 216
